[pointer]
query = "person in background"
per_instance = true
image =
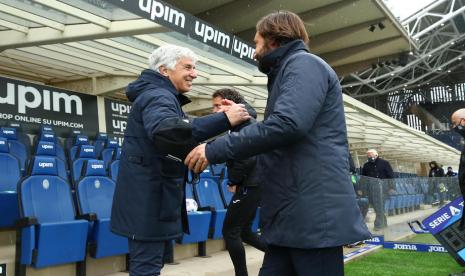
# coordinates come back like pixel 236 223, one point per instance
pixel 362 201
pixel 438 188
pixel 376 167
pixel 245 185
pixel 450 172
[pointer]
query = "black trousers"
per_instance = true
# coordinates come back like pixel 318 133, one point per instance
pixel 285 261
pixel 237 226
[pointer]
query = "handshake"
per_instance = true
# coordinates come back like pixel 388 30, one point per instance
pixel 196 160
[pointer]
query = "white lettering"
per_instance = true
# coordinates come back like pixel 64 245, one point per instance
pixel 47 147
pixel 30 97
pixel 97 166
pixel 45 165
pixel 210 34
pixel 88 150
pixel 2 143
pixel 437 249
pixel 23 102
pixel 159 10
pixel 444 217
pixel 243 49
pixel 405 246
pixel 8 132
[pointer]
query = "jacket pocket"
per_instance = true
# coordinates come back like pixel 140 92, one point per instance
pixel 171 198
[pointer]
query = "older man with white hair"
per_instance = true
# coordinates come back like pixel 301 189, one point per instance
pixel 377 167
pixel 148 205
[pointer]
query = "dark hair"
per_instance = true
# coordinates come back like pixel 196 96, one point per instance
pixel 282 27
pixel 229 94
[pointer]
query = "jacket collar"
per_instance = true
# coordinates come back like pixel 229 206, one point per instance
pixel 272 60
pixel 158 79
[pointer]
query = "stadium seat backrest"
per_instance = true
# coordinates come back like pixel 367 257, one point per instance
pixel 48 149
pixel 99 143
pixel 114 169
pixel 9 168
pixel 47 136
pixel 95 190
pixel 69 142
pixel 44 194
pixel 78 141
pixel 17 148
pixel 107 152
pixel 85 152
pixel 208 194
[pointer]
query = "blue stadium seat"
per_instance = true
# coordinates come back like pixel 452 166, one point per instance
pixel 85 152
pixel 199 223
pixel 51 137
pixel 48 230
pixel 48 149
pixel 23 137
pixel 108 151
pixel 17 148
pixel 69 142
pixel 114 166
pixel 208 196
pixel 78 141
pixel 95 196
pixel 99 142
pixel 10 174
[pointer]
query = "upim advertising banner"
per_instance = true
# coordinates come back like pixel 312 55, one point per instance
pixel 32 104
pixel 116 117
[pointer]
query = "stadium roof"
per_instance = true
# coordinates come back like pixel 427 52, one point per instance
pixel 97 47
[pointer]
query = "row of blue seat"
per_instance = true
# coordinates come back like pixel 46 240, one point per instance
pixel 51 230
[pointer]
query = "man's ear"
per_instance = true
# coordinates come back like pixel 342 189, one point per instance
pixel 163 70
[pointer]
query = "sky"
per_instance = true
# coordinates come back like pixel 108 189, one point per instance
pixel 404 8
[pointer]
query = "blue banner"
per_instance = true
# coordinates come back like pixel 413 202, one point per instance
pixel 444 217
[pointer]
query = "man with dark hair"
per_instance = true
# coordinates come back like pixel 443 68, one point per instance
pixel 450 172
pixel 308 207
pixel 242 181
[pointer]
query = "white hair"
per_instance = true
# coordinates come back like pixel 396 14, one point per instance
pixel 168 55
pixel 373 151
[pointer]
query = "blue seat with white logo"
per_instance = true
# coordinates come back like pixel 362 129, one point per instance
pixel 46 136
pixel 78 141
pixel 23 137
pixel 85 152
pixel 10 173
pixel 48 230
pixel 95 196
pixel 208 195
pixel 107 153
pixel 48 149
pixel 100 142
pixel 114 166
pixel 199 223
pixel 17 148
pixel 69 142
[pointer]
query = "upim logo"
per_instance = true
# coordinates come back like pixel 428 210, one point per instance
pixel 49 101
pixel 121 108
pixel 97 166
pixel 88 150
pixel 49 136
pixel 243 49
pixel 437 249
pixel 159 10
pixel 9 132
pixel 405 246
pixel 81 139
pixel 46 147
pixel 121 125
pixel 210 34
pixel 2 143
pixel 45 165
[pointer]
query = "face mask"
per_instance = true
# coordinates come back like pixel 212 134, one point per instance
pixel 460 130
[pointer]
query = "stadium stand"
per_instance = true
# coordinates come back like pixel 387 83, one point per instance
pixel 10 174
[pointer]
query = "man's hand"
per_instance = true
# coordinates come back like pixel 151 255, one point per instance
pixel 225 105
pixel 232 188
pixel 196 159
pixel 236 114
